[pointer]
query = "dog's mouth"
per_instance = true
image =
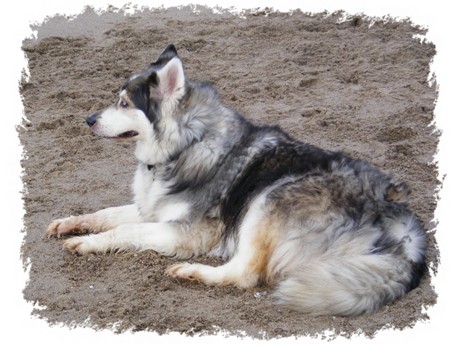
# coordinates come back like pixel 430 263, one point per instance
pixel 128 134
pixel 124 136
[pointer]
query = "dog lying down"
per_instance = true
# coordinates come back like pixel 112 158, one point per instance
pixel 332 233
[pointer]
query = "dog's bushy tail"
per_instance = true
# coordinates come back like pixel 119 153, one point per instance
pixel 354 283
pixel 337 287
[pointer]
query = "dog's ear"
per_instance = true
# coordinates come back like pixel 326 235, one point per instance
pixel 168 54
pixel 168 83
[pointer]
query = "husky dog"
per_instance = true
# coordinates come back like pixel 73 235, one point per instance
pixel 332 233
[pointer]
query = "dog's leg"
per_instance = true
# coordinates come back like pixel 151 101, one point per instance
pixel 258 236
pixel 168 239
pixel 102 220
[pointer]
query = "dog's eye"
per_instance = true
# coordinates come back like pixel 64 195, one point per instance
pixel 123 104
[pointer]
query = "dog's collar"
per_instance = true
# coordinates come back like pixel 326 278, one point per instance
pixel 153 167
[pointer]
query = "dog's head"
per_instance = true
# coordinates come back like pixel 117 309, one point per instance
pixel 146 99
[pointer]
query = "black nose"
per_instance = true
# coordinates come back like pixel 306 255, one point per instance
pixel 92 119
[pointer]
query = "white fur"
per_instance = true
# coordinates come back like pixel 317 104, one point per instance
pixel 102 220
pixel 347 285
pixel 235 270
pixel 412 239
pixel 173 211
pixel 148 191
pixel 171 83
pixel 115 121
pixel 162 238
pixel 119 215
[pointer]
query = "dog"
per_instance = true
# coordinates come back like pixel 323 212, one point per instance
pixel 333 234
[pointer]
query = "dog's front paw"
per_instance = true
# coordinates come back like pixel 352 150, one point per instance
pixel 79 245
pixel 183 270
pixel 66 226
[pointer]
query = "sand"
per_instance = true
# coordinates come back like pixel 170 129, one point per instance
pixel 355 84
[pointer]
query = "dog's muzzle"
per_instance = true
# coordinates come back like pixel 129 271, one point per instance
pixel 92 119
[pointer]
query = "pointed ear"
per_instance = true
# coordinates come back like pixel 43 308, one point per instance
pixel 169 53
pixel 171 80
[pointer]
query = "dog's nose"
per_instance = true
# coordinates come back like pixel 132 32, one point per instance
pixel 92 119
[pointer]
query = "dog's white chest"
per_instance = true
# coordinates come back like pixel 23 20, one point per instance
pixel 153 200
